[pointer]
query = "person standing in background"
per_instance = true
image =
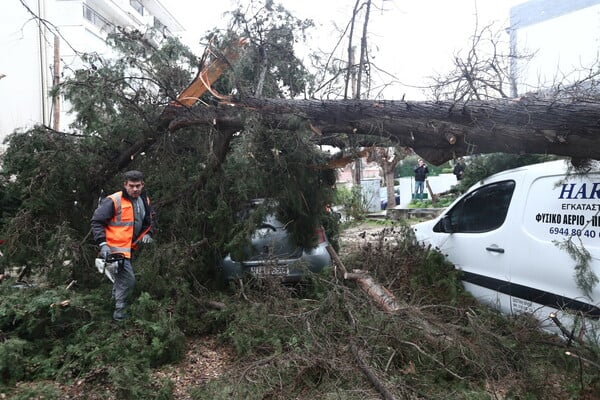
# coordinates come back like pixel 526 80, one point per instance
pixel 421 172
pixel 459 169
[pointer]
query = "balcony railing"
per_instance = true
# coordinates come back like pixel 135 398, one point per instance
pixel 137 6
pixel 97 20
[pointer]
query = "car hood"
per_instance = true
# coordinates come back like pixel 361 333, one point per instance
pixel 423 231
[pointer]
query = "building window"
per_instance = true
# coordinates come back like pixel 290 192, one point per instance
pixel 97 20
pixel 162 28
pixel 159 26
pixel 137 6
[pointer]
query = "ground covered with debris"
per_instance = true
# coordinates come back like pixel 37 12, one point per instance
pixel 330 338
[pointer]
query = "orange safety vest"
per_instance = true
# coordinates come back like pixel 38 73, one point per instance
pixel 119 230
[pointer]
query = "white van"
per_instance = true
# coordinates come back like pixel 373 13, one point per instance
pixel 508 233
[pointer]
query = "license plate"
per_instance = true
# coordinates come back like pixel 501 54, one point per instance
pixel 269 271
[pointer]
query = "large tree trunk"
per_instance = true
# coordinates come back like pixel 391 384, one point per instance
pixel 387 159
pixel 438 131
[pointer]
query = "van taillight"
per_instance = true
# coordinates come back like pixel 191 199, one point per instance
pixel 321 235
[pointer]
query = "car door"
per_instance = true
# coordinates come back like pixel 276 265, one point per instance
pixel 477 239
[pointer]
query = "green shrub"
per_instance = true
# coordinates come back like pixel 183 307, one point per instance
pixel 165 342
pixel 352 201
pixel 38 391
pixel 13 363
pixel 480 167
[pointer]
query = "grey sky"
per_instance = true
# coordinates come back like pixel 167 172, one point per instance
pixel 411 40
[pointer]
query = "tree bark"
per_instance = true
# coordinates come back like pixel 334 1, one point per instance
pixel 437 131
pixel 382 296
pixel 387 159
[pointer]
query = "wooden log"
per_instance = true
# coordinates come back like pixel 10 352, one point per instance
pixel 434 197
pixel 450 137
pixel 380 294
pixel 354 276
pixel 208 75
pixel 64 303
pixel 336 260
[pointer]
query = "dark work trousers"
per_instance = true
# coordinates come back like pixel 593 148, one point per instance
pixel 122 289
pixel 419 189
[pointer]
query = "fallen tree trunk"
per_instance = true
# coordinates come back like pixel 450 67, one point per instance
pixel 383 297
pixel 336 260
pixel 438 131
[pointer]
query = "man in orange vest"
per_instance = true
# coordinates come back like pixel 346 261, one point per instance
pixel 122 221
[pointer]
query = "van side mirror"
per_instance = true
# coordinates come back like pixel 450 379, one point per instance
pixel 446 224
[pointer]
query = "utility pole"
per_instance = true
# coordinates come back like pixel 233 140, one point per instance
pixel 41 12
pixel 55 84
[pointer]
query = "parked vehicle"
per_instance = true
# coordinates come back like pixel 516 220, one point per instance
pixel 508 235
pixel 383 197
pixel 273 253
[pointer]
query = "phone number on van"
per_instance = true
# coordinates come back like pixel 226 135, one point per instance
pixel 572 232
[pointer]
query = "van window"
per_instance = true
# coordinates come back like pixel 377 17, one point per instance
pixel 482 210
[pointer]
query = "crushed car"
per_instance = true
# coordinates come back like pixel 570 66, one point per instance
pixel 272 252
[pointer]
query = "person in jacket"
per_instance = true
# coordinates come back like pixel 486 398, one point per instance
pixel 459 169
pixel 121 222
pixel 421 172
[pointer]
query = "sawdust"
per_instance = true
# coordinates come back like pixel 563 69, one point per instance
pixel 205 359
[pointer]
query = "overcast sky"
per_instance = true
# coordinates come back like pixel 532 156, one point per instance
pixel 410 40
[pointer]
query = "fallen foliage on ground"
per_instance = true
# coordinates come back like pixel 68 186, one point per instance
pixel 328 339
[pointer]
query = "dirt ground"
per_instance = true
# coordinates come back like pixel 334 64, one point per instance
pixel 205 359
pixel 356 236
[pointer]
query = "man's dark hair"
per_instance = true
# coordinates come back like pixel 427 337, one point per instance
pixel 133 175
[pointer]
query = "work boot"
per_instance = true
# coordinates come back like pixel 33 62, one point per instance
pixel 120 315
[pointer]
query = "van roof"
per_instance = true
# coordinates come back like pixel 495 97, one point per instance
pixel 546 168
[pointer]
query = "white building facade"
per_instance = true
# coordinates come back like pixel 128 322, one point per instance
pixel 563 38
pixel 38 52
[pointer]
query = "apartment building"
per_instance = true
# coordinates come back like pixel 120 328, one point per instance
pixel 562 37
pixel 37 51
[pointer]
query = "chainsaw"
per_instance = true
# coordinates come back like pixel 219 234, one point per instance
pixel 110 265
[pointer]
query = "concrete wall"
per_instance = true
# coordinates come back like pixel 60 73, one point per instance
pixel 439 184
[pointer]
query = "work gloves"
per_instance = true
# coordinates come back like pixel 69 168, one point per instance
pixel 104 250
pixel 147 239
